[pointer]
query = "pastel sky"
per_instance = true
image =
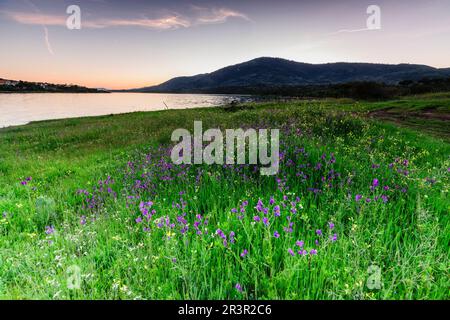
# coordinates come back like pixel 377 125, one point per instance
pixel 136 43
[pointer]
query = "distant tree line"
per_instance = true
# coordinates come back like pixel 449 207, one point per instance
pixel 363 90
pixel 24 86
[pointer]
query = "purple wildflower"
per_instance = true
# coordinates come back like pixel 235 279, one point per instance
pixel 49 230
pixel 375 183
pixel 232 234
pixel 276 211
pixel 276 234
pixel 244 253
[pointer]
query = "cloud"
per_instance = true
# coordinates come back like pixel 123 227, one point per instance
pixel 171 21
pixel 47 41
pixel 46 35
pixel 36 18
pixel 211 16
pixel 352 31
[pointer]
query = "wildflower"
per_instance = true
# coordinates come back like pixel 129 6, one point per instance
pixel 138 220
pixel 221 234
pixel 291 252
pixel 276 234
pixel 49 230
pixel 259 206
pixel 300 243
pixel 375 183
pixel 234 210
pixel 266 221
pixel 333 238
pixel 257 218
pixel 83 220
pixel 358 197
pixel 276 211
pixel 244 253
pixel 331 225
pixel 289 228
pixel 238 287
pixel 271 201
pixel 232 234
pixel 319 232
pixel 313 252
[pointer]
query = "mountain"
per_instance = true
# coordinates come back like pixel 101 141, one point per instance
pixel 280 72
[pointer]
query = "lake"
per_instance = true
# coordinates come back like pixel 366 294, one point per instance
pixel 22 108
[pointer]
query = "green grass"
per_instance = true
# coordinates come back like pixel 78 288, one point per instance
pixel 406 238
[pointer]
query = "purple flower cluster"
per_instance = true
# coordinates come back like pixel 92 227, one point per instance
pixel 226 242
pixel 26 181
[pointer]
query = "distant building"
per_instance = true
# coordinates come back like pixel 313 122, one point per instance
pixel 8 82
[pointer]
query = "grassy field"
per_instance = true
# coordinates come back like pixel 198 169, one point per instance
pixel 358 210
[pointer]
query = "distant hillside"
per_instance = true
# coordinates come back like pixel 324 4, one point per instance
pixel 276 72
pixel 25 86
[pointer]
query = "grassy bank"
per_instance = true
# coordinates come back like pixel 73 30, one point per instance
pixel 359 208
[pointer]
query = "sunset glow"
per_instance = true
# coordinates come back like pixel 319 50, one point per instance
pixel 147 42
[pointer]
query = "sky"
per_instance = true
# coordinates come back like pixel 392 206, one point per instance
pixel 137 43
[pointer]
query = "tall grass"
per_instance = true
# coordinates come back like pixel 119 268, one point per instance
pixel 359 210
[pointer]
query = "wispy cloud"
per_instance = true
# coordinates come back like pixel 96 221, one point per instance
pixel 167 22
pixel 47 41
pixel 351 31
pixel 44 27
pixel 36 18
pixel 211 16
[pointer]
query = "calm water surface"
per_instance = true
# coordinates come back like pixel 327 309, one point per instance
pixel 17 108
